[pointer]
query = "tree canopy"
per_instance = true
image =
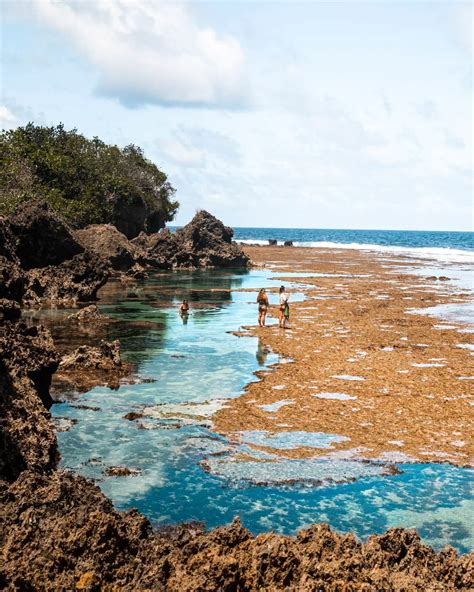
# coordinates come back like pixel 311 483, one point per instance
pixel 87 181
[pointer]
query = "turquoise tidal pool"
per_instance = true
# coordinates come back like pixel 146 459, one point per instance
pixel 182 470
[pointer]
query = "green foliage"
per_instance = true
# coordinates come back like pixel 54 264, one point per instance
pixel 82 179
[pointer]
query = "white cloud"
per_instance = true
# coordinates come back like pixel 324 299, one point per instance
pixel 7 118
pixel 151 52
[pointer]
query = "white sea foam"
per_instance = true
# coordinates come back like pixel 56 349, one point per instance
pixel 444 254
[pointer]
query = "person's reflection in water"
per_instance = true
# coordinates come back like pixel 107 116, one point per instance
pixel 262 353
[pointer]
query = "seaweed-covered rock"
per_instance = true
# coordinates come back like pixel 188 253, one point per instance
pixel 28 360
pixel 108 242
pixel 42 237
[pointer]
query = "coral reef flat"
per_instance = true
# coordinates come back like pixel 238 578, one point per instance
pixel 361 330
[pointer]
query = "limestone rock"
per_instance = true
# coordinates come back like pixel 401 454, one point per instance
pixel 28 360
pixel 106 241
pixel 42 237
pixel 76 280
pixel 88 314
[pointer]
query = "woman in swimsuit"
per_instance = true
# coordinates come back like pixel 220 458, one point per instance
pixel 184 308
pixel 284 308
pixel 262 300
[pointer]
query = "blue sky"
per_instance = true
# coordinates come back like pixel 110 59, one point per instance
pixel 305 114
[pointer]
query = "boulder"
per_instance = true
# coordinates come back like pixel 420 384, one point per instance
pixel 42 237
pixel 28 360
pixel 85 357
pixel 76 280
pixel 272 242
pixel 135 215
pixel 288 243
pixel 106 241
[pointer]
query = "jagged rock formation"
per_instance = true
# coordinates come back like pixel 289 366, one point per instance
pixel 89 366
pixel 88 314
pixel 9 310
pixel 73 281
pixel 41 261
pixel 42 238
pixel 12 280
pixel 106 241
pixel 28 360
pixel 209 243
pixel 204 242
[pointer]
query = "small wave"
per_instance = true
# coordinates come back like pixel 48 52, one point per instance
pixel 444 254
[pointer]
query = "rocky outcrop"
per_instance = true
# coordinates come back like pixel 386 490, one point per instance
pixel 28 360
pixel 209 243
pixel 88 314
pixel 204 242
pixel 61 533
pixel 42 237
pixel 89 366
pixel 161 249
pixel 76 280
pixel 106 241
pixel 7 241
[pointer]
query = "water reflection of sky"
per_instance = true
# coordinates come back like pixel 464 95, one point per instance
pixel 190 473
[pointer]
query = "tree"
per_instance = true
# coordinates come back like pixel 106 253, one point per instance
pixel 86 181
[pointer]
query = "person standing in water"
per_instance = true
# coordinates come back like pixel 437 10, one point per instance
pixel 284 316
pixel 262 300
pixel 184 308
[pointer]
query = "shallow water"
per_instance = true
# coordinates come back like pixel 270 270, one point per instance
pixel 188 472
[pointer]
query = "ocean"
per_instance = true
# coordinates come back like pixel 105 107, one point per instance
pixel 442 246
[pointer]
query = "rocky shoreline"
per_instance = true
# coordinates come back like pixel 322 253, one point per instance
pixel 58 531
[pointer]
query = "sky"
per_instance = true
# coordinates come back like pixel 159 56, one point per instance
pixel 279 114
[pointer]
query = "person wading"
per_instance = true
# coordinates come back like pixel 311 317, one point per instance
pixel 262 300
pixel 284 316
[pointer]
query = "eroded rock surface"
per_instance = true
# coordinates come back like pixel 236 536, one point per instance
pixel 106 241
pixel 71 536
pixel 28 360
pixel 204 242
pixel 88 314
pixel 76 280
pixel 89 366
pixel 42 237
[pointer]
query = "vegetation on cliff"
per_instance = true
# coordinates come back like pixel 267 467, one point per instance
pixel 86 181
